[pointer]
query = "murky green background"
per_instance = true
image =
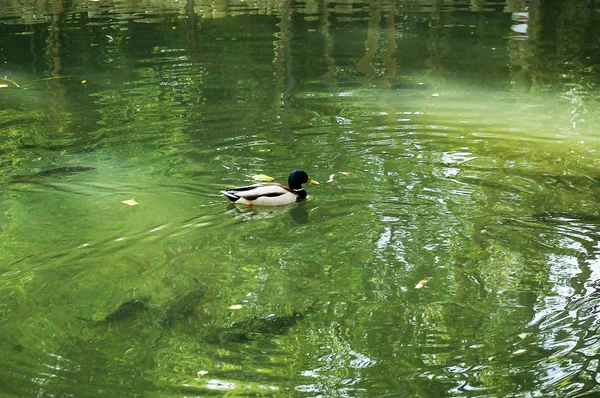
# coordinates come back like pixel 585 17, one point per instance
pixel 459 256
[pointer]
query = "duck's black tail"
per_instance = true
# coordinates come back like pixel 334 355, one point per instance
pixel 230 196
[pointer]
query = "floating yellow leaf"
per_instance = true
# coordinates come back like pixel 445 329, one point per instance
pixel 346 173
pixel 520 352
pixel 523 336
pixel 235 307
pixel 202 373
pixel 130 202
pixel 3 85
pixel 421 283
pixel 83 81
pixel 262 177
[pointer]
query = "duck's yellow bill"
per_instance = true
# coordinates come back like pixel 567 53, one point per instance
pixel 311 181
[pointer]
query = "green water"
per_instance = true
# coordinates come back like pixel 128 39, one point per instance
pixel 455 253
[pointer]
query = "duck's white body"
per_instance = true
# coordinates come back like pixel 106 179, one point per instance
pixel 264 194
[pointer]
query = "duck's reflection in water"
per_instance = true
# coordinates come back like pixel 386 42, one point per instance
pixel 297 212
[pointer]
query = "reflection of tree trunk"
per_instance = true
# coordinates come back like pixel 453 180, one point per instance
pixel 220 8
pixel 284 79
pixel 435 27
pixel 563 23
pixel 365 64
pixel 191 21
pixel 53 50
pixel 566 24
pixel 389 76
pixel 193 48
pixel 574 23
pixel 58 104
pixel 521 53
pixel 324 26
pixel 476 5
pixel 515 5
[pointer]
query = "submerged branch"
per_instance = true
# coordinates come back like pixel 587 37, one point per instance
pixel 6 79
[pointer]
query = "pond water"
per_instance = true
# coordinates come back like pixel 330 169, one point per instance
pixel 452 248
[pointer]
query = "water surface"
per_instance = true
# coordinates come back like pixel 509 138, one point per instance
pixel 455 253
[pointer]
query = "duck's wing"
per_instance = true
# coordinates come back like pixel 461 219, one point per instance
pixel 252 193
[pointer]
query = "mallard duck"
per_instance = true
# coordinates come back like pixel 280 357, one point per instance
pixel 272 193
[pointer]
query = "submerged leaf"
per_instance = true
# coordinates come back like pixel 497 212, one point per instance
pixel 421 283
pixel 130 202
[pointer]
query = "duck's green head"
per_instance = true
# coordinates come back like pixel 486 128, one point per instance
pixel 299 177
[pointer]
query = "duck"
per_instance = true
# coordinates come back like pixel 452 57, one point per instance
pixel 272 193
